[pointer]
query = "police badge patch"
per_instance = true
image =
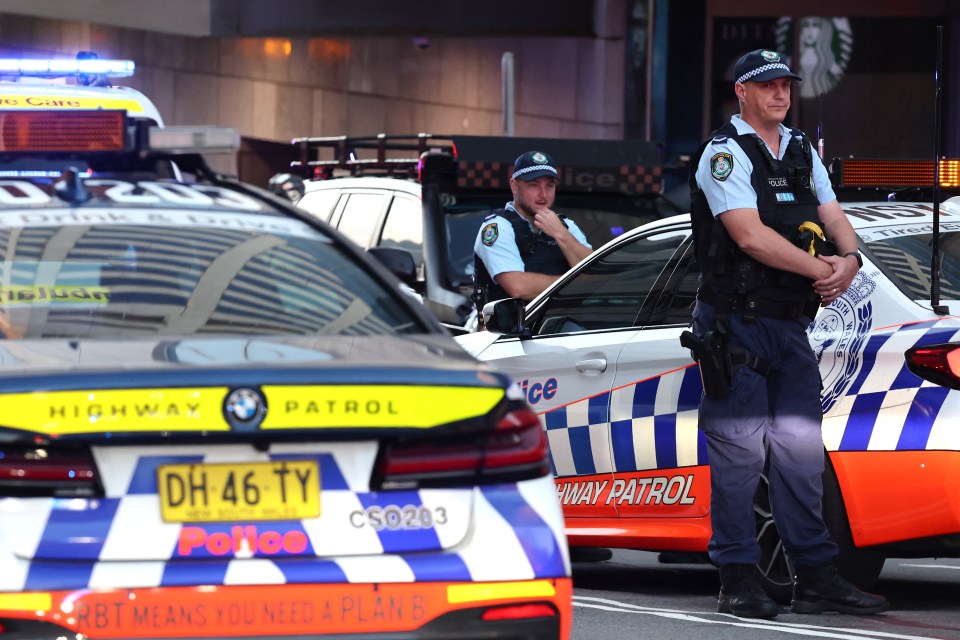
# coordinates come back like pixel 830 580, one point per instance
pixel 721 164
pixel 489 234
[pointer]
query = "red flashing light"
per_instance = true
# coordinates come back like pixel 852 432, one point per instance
pixel 870 172
pixel 57 131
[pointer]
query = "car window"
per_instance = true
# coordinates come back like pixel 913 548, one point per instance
pixel 610 291
pixel 676 291
pixel 360 217
pixel 403 228
pixel 320 203
pixel 462 222
pixel 905 259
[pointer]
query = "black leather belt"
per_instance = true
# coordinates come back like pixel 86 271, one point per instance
pixel 750 306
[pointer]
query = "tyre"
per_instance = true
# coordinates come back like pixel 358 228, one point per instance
pixel 861 566
pixel 774 568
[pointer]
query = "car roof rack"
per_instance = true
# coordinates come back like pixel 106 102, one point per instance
pixel 351 154
pixel 485 162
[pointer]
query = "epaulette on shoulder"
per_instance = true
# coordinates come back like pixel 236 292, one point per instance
pixel 719 139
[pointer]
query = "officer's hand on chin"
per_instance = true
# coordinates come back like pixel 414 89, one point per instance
pixel 548 222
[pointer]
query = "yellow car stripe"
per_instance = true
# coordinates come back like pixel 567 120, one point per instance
pixel 72 412
pixel 288 407
pixel 39 602
pixel 67 102
pixel 461 593
pixel 291 407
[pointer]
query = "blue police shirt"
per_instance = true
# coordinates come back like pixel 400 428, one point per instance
pixel 502 254
pixel 736 192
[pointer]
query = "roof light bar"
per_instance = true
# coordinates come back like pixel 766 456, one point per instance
pixel 58 68
pixel 194 139
pixel 873 172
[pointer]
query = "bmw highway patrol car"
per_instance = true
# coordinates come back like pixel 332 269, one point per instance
pixel 599 358
pixel 220 418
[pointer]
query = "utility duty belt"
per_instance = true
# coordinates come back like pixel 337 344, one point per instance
pixel 749 306
pixel 719 360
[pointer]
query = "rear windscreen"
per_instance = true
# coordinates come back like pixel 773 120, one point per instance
pixel 126 273
pixel 906 260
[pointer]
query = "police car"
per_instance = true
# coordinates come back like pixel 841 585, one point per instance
pixel 220 418
pixel 599 358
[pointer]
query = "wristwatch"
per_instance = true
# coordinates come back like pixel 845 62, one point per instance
pixel 855 254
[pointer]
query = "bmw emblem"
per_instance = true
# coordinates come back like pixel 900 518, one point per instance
pixel 244 409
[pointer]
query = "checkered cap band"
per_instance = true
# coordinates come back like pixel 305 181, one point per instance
pixel 538 167
pixel 759 70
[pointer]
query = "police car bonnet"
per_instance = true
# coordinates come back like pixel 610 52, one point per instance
pixel 762 65
pixel 533 164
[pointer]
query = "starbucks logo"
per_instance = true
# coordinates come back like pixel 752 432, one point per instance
pixel 825 48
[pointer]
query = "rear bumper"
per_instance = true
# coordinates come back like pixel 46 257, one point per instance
pixel 407 610
pixel 446 627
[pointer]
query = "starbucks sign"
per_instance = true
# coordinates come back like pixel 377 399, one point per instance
pixel 825 45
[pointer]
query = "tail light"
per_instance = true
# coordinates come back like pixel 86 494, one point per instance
pixel 519 612
pixel 938 363
pixel 515 450
pixel 38 471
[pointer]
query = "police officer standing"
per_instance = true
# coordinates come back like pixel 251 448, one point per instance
pixel 756 183
pixel 525 246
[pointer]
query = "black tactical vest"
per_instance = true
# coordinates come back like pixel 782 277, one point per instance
pixel 786 197
pixel 540 254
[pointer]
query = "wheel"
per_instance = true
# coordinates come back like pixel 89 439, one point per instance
pixel 862 565
pixel 774 568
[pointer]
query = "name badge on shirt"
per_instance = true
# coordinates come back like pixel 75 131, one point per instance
pixel 785 197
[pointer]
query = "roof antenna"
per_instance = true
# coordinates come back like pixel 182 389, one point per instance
pixel 935 253
pixel 820 127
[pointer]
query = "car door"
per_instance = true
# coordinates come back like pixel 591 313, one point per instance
pixel 568 366
pixel 659 455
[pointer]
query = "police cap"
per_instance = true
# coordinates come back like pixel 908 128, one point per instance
pixel 534 164
pixel 762 65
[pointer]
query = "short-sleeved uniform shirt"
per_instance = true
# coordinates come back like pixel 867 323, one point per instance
pixel 735 190
pixel 497 245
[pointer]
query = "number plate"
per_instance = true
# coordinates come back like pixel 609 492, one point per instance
pixel 281 490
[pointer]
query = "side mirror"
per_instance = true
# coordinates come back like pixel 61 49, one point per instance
pixel 506 317
pixel 399 262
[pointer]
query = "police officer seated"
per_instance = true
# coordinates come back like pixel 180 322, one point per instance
pixel 525 246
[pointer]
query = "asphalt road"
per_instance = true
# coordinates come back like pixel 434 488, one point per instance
pixel 633 596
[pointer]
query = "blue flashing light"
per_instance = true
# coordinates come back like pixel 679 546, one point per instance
pixel 58 68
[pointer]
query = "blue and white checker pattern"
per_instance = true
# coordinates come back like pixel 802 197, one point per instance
pixel 887 408
pixel 653 424
pixel 508 531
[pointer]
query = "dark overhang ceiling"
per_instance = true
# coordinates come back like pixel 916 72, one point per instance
pixel 261 18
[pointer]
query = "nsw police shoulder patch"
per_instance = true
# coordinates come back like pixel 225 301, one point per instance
pixel 489 234
pixel 721 164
